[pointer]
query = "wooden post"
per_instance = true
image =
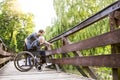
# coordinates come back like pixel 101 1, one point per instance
pixel 52 57
pixel 77 53
pixel 64 55
pixel 115 48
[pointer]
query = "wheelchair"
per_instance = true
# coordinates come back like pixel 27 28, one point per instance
pixel 27 59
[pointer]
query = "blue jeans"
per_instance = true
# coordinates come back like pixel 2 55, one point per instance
pixel 39 52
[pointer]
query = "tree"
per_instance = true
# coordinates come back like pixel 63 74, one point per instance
pixel 14 24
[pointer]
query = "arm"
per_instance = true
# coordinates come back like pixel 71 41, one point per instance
pixel 42 41
pixel 47 43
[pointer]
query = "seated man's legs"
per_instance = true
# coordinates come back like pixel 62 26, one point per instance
pixel 42 53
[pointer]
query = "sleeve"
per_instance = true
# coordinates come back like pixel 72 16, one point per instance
pixel 35 35
pixel 32 36
pixel 47 43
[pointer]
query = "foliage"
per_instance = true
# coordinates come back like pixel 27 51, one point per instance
pixel 69 14
pixel 14 24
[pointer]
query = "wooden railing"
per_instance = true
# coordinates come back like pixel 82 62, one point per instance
pixel 110 38
pixel 5 56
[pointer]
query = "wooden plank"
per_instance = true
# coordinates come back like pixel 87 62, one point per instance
pixel 111 60
pixel 112 37
pixel 87 68
pixel 8 72
pixel 82 72
pixel 4 54
pixel 77 67
pixel 3 60
pixel 90 71
pixel 2 45
pixel 52 56
pixel 78 54
pixel 101 14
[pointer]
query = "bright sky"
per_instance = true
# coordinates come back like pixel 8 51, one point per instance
pixel 42 9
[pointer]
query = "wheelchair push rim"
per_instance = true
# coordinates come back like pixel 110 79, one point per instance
pixel 24 61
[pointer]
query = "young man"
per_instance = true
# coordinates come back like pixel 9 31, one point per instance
pixel 34 40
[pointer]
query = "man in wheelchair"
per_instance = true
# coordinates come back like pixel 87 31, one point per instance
pixel 34 41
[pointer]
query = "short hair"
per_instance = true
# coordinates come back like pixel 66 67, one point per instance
pixel 41 31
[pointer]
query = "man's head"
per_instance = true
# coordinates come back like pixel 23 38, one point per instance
pixel 41 32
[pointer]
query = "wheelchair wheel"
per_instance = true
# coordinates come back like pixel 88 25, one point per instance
pixel 24 61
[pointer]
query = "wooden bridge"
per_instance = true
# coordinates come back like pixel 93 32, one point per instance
pixel 8 72
pixel 83 64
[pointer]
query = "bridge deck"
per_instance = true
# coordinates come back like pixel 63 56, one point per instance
pixel 8 72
